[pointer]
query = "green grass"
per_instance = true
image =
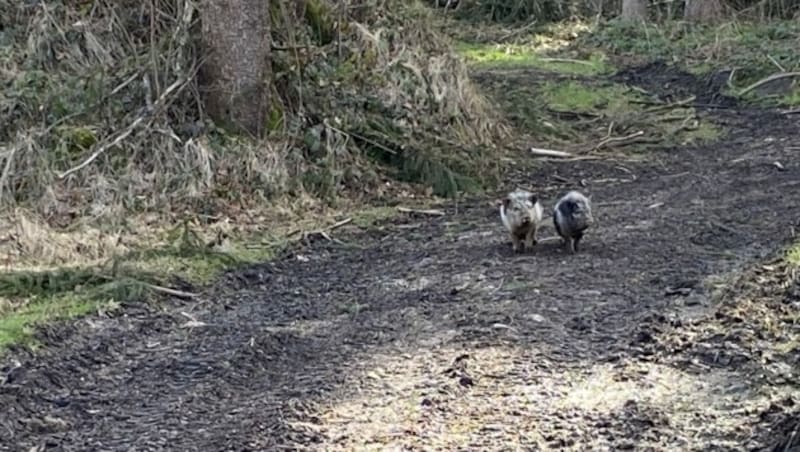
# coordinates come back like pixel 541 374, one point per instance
pixel 29 298
pixel 18 326
pixel 792 99
pixel 514 56
pixel 372 215
pixel 575 96
pixel 703 132
pixel 793 254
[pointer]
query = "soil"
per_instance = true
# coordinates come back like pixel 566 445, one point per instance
pixel 429 333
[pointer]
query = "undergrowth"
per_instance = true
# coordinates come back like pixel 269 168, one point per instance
pixel 752 50
pixel 102 113
pixel 584 115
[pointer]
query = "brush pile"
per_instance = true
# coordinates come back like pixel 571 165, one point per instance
pixel 101 112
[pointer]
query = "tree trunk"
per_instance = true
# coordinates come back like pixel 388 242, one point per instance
pixel 702 10
pixel 634 10
pixel 236 71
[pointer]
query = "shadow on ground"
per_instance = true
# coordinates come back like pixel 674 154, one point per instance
pixel 428 332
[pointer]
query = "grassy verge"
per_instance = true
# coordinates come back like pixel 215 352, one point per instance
pixel 562 105
pixel 753 51
pixel 183 259
pixel 562 102
pixel 31 297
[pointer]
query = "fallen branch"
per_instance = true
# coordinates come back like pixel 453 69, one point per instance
pixel 793 111
pixel 610 140
pixel 278 47
pixel 128 130
pixel 339 224
pixel 771 78
pixel 565 60
pixel 775 62
pixel 432 212
pixel 9 156
pixel 549 153
pixel 362 138
pixel 168 291
pixel 513 33
pixel 552 238
pixel 193 322
pixel 693 104
pixel 681 103
pixel 125 133
pixel 320 232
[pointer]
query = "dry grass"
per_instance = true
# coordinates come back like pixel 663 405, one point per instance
pixel 102 115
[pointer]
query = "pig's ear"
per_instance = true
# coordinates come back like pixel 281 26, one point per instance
pixel 534 199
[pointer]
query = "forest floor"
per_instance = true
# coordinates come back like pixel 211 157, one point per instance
pixel 675 327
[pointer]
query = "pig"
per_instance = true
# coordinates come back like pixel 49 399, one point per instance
pixel 522 215
pixel 572 216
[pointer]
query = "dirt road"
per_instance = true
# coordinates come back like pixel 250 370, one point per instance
pixel 427 333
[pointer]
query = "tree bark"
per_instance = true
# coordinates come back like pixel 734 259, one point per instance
pixel 236 71
pixel 703 10
pixel 634 10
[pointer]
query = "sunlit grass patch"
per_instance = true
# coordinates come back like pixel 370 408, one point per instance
pixel 33 297
pixel 18 325
pixel 579 97
pixel 793 254
pixel 509 56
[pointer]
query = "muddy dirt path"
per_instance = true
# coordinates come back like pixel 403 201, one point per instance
pixel 427 333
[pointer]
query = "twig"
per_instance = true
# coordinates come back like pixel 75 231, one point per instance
pixel 287 48
pixel 729 82
pixel 793 111
pixel 514 32
pixel 681 103
pixel 306 234
pixel 552 238
pixel 617 139
pixel 432 212
pixel 363 138
pixel 7 169
pixel 777 65
pixel 771 78
pixel 549 153
pixel 693 104
pixel 193 322
pixel 128 130
pixel 565 60
pixel 339 224
pixel 168 291
pixel 576 114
